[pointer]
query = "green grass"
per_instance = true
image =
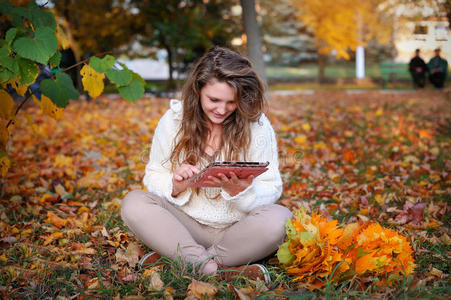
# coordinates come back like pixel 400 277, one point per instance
pixel 310 71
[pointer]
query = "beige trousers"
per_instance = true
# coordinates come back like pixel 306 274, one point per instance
pixel 172 233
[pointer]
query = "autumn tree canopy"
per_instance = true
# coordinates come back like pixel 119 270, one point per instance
pixel 341 25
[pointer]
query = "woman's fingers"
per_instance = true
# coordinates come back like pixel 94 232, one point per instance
pixel 233 177
pixel 178 177
pixel 186 171
pixel 214 179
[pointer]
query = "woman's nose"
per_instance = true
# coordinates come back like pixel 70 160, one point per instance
pixel 222 109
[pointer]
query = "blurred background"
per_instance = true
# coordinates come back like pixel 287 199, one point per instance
pixel 294 44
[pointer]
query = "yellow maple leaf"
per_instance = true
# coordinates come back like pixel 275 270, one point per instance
pixel 379 199
pixel 5 163
pixel 306 126
pixel 6 105
pixel 300 139
pixel 50 109
pixel 92 81
pixel 320 145
pixel 62 160
pixel 4 135
pixel 20 88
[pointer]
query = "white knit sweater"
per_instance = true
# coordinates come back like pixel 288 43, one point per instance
pixel 225 210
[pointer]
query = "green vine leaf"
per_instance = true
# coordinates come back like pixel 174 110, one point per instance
pixel 8 62
pixel 28 70
pixel 119 77
pixel 5 74
pixel 133 91
pixel 59 90
pixel 10 35
pixel 101 64
pixel 6 8
pixel 40 48
pixel 38 17
pixel 55 60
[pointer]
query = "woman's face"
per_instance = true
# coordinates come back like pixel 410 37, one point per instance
pixel 218 101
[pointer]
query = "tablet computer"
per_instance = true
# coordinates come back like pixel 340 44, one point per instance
pixel 242 169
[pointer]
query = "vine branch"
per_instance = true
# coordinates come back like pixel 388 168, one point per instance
pixel 22 104
pixel 64 70
pixel 86 60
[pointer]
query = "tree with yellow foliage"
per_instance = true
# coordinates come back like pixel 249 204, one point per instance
pixel 339 26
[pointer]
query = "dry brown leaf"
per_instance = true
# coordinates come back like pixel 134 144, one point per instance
pixel 240 293
pixel 131 255
pixel 88 251
pixel 60 190
pixel 201 290
pixel 155 282
pixel 445 239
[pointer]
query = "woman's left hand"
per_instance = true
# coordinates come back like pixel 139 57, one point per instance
pixel 232 184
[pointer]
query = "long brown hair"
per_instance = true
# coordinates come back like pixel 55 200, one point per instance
pixel 222 65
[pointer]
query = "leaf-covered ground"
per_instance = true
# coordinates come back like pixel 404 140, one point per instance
pixel 368 156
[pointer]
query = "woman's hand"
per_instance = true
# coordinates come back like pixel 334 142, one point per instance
pixel 181 177
pixel 232 185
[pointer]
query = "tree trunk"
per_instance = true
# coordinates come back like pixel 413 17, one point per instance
pixel 171 84
pixel 321 67
pixel 254 43
pixel 73 43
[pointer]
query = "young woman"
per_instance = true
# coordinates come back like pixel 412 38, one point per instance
pixel 236 222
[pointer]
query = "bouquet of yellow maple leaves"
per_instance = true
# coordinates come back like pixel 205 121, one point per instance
pixel 318 250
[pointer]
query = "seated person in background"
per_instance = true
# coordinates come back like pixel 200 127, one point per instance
pixel 418 70
pixel 438 70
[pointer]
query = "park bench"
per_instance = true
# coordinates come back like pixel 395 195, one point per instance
pixel 389 70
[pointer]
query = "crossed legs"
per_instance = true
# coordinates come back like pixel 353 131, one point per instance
pixel 172 233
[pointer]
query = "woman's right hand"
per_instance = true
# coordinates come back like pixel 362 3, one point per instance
pixel 181 177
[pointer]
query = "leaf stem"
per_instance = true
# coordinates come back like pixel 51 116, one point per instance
pixel 85 60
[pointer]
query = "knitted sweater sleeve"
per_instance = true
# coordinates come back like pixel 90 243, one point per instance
pixel 158 174
pixel 266 188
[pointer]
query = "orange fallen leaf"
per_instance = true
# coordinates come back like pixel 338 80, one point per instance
pixel 55 220
pixel 424 134
pixel 349 156
pixel 52 237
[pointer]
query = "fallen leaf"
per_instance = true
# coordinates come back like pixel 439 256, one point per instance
pixel 201 290
pixel 53 219
pixel 131 255
pixel 155 282
pixel 52 237
pixel 60 190
pixel 435 272
pixel 445 239
pixel 417 212
pixel 240 295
